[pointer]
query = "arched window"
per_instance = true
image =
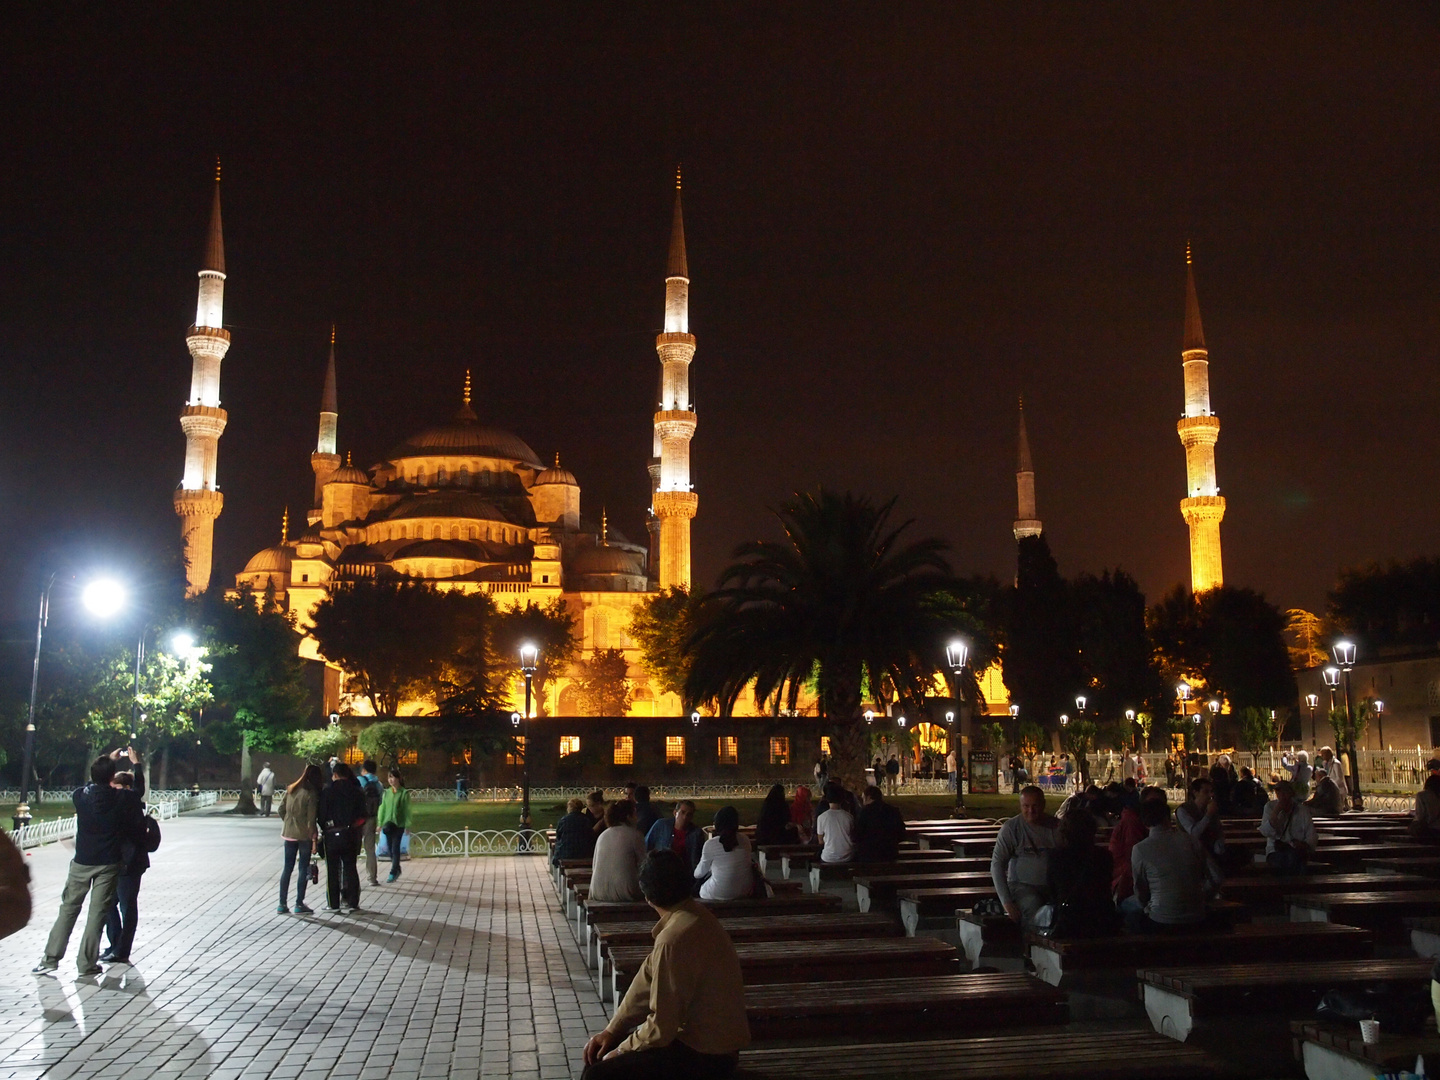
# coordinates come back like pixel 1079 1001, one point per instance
pixel 602 631
pixel 463 477
pixel 474 533
pixel 440 475
pixel 454 532
pixel 420 476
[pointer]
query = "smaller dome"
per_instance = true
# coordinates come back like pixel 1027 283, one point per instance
pixel 607 560
pixel 556 475
pixel 348 474
pixel 270 560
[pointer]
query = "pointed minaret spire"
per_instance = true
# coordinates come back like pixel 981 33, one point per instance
pixel 1027 520
pixel 673 500
pixel 285 527
pixel 1199 428
pixel 604 528
pixel 465 412
pixel 198 501
pixel 325 460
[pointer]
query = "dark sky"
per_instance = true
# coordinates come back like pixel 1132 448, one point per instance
pixel 900 218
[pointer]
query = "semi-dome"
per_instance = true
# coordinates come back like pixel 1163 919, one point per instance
pixel 607 560
pixel 270 560
pixel 349 474
pixel 556 475
pixel 449 504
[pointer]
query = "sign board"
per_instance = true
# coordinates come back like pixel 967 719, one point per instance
pixel 984 776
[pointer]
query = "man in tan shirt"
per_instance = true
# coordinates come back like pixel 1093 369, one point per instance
pixel 685 1011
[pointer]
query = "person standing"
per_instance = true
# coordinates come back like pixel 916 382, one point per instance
pixel 371 788
pixel 342 817
pixel 15 903
pixel 124 914
pixel 1336 768
pixel 1018 863
pixel 952 766
pixel 892 775
pixel 298 809
pixel 106 818
pixel 265 788
pixel 615 869
pixel 393 816
pixel 685 1010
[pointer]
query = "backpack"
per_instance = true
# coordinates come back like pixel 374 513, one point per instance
pixel 152 834
pixel 372 797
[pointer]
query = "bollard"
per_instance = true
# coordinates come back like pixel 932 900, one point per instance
pixel 467 841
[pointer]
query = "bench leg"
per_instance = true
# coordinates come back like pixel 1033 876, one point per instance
pixel 1047 964
pixel 815 879
pixel 972 940
pixel 1169 1013
pixel 862 898
pixel 910 916
pixel 762 861
pixel 1323 1063
pixel 785 867
pixel 1300 913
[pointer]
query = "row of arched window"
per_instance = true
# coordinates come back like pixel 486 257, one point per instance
pixel 422 531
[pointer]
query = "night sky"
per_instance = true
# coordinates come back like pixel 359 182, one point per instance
pixel 899 220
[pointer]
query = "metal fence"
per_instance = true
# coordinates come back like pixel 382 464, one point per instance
pixel 468 843
pixel 57 829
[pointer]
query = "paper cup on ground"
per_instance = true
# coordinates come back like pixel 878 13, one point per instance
pixel 1370 1032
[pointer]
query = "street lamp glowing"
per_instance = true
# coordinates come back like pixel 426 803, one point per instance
pixel 1182 691
pixel 1080 702
pixel 956 654
pixel 950 719
pixel 1130 715
pixel 182 641
pixel 529 658
pixel 515 719
pixel 1344 653
pixel 1312 700
pixel 1014 711
pixel 695 719
pixel 1379 707
pixel 901 722
pixel 1332 677
pixel 103 597
pixel 869 717
pixel 1214 706
pixel 1064 719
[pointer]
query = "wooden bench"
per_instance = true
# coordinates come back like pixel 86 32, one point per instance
pixel 1174 997
pixel 880 891
pixel 981 932
pixel 933 862
pixel 1336 1050
pixel 1373 910
pixel 805 860
pixel 817 871
pixel 935 1007
pixel 594 912
pixel 1356 854
pixel 842 925
pixel 1054 959
pixel 578 893
pixel 1042 1054
pixel 921 905
pixel 1423 865
pixel 809 961
pixel 765 854
pixel 1272 889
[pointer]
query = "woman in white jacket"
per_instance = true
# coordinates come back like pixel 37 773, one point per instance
pixel 725 858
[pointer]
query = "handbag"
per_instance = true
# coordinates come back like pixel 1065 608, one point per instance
pixel 314 873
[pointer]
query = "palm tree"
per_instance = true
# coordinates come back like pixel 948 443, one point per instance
pixel 841 606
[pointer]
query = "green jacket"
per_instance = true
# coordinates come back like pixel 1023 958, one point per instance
pixel 394 809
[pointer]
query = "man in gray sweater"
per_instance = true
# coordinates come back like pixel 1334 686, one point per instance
pixel 1172 875
pixel 1017 866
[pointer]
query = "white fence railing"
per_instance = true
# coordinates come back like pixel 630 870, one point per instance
pixel 57 829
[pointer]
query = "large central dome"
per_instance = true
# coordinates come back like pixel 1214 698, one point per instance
pixel 465 436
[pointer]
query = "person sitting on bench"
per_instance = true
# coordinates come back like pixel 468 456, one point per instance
pixel 835 827
pixel 1199 815
pixel 1123 838
pixel 1426 826
pixel 1249 797
pixel 1325 800
pixel 685 1009
pixel 1078 876
pixel 879 829
pixel 1288 830
pixel 724 866
pixel 1171 873
pixel 1017 865
pixel 615 866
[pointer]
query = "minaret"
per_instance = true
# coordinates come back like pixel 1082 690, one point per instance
pixel 197 500
pixel 674 500
pixel 1199 428
pixel 325 460
pixel 1027 521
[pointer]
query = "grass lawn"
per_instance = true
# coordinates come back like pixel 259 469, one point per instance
pixel 455 816
pixel 45 811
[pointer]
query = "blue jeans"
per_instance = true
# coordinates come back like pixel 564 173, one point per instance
pixel 394 836
pixel 124 914
pixel 293 848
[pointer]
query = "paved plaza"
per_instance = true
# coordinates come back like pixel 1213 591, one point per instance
pixel 462 968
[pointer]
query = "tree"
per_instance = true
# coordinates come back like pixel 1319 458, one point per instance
pixel 1258 731
pixel 1303 636
pixel 1117 661
pixel 660 626
pixel 603 685
pixel 1231 639
pixel 1388 604
pixel 1042 656
pixel 384 740
pixel 551 629
pixel 401 639
pixel 172 689
pixel 319 745
pixel 841 603
pixel 1078 738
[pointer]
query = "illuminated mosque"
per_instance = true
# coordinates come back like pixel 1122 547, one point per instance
pixel 462 505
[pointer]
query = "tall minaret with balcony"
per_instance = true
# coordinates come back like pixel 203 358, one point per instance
pixel 1199 428
pixel 325 460
pixel 1027 520
pixel 197 500
pixel 674 500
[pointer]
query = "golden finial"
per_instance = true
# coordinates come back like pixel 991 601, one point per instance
pixel 466 395
pixel 217 168
pixel 332 333
pixel 677 176
pixel 347 459
pixel 1022 402
pixel 557 459
pixel 604 528
pixel 1187 252
pixel 285 526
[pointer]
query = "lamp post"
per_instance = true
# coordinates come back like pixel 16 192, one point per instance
pixel 529 661
pixel 1344 652
pixel 1380 724
pixel 1214 707
pixel 957 653
pixel 1313 701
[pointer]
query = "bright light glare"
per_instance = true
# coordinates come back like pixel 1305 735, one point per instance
pixel 182 642
pixel 103 597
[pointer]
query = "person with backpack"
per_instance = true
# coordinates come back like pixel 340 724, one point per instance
pixel 124 913
pixel 298 807
pixel 394 819
pixel 374 792
pixel 342 818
